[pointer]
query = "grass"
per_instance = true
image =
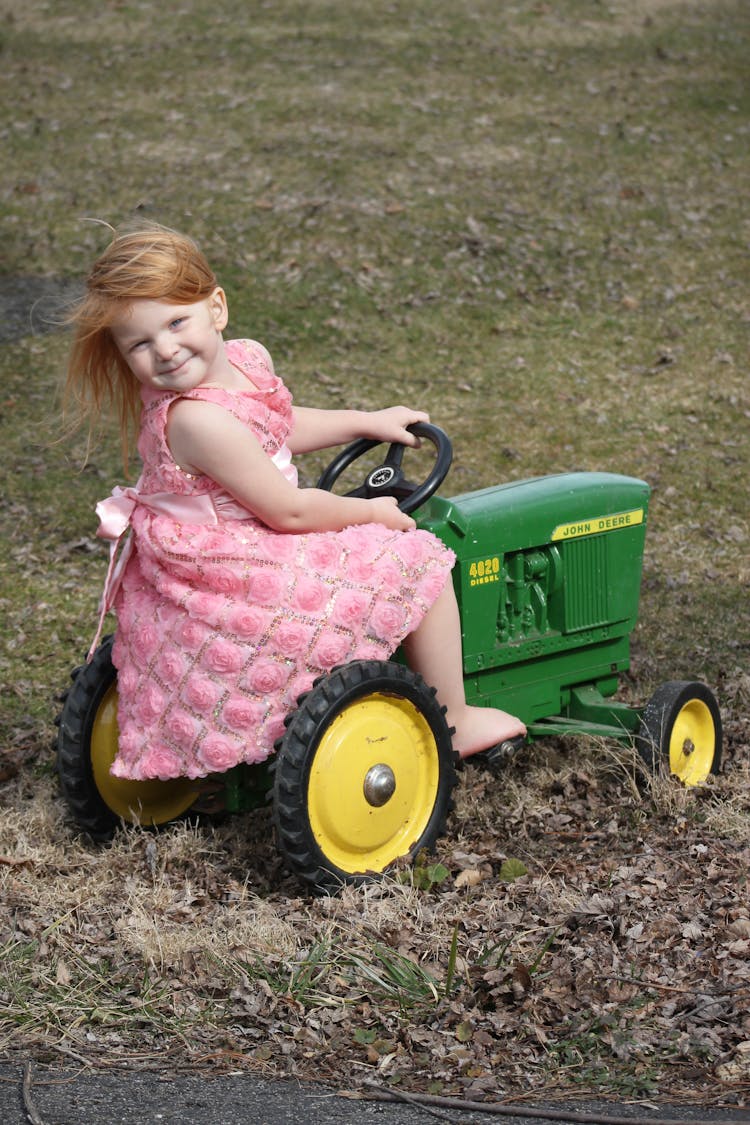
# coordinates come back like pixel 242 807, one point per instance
pixel 528 219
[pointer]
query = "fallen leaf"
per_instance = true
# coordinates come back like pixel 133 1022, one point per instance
pixel 469 877
pixel 62 973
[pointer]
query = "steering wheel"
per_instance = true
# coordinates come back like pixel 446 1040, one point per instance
pixel 388 479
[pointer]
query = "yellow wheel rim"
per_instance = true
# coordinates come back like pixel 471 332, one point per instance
pixel 138 802
pixel 373 783
pixel 692 743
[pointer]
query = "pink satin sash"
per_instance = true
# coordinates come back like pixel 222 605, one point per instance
pixel 115 514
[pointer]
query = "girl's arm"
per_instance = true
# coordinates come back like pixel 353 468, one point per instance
pixel 319 429
pixel 205 438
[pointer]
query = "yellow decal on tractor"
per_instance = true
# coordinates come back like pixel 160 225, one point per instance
pixel 486 570
pixel 598 524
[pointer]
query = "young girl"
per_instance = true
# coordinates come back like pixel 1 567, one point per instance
pixel 237 588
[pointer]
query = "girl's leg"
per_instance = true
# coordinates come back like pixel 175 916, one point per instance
pixel 434 651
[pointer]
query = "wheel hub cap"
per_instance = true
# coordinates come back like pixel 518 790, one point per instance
pixel 692 743
pixel 380 785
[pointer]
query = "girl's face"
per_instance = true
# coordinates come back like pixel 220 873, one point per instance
pixel 172 347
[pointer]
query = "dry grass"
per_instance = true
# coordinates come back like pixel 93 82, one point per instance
pixel 190 945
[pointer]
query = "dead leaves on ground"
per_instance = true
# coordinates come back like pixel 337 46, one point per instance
pixel 571 934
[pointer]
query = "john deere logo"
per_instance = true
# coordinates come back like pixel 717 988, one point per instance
pixel 381 477
pixel 618 521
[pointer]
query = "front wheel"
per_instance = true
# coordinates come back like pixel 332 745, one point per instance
pixel 681 728
pixel 363 775
pixel 86 748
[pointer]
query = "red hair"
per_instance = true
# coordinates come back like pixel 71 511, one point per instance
pixel 151 263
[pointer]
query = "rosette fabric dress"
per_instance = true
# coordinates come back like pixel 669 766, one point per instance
pixel 222 622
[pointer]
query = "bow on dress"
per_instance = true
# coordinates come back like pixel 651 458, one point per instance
pixel 115 514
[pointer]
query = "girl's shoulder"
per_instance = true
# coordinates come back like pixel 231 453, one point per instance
pixel 266 396
pixel 254 360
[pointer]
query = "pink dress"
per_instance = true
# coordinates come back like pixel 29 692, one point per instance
pixel 223 622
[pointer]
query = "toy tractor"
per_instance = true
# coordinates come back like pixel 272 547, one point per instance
pixel 547 578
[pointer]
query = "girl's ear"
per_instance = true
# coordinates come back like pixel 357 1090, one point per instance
pixel 217 304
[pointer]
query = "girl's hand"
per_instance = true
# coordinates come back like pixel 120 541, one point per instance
pixel 390 424
pixel 321 429
pixel 385 510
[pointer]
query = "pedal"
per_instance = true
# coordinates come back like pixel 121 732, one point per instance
pixel 504 752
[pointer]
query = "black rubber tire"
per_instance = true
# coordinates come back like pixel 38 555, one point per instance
pixel 80 705
pixel 146 803
pixel 671 703
pixel 355 683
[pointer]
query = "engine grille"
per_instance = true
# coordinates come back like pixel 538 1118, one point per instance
pixel 586 582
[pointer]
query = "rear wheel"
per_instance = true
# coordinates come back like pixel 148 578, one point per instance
pixel 363 775
pixel 681 728
pixel 86 748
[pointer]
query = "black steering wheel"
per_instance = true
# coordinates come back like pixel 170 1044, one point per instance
pixel 388 479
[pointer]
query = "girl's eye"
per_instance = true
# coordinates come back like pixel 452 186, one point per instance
pixel 140 344
pixel 177 322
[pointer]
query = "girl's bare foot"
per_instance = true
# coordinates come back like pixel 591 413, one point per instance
pixel 479 728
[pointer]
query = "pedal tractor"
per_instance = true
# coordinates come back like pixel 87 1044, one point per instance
pixel 547 577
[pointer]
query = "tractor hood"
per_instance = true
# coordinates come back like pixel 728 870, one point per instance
pixel 527 513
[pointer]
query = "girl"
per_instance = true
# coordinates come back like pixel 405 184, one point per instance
pixel 237 588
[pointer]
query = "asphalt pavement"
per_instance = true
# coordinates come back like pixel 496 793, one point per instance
pixel 49 1096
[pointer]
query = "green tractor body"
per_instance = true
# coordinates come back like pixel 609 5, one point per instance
pixel 548 580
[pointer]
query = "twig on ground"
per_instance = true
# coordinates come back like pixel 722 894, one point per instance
pixel 28 1101
pixel 71 1054
pixel 507 1110
pixel 420 1100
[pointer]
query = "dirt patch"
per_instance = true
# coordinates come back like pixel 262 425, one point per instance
pixel 33 306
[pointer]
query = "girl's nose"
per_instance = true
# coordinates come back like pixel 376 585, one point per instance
pixel 165 347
